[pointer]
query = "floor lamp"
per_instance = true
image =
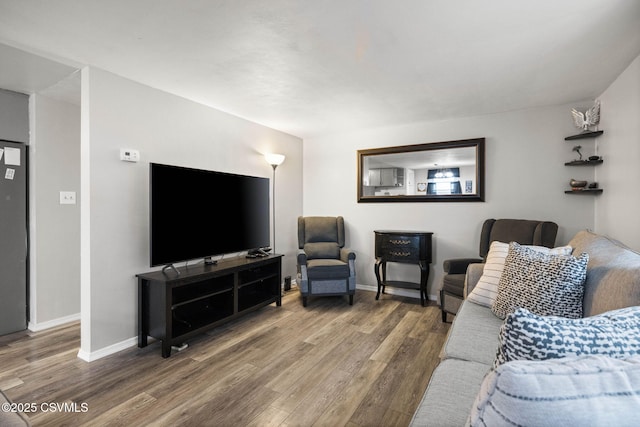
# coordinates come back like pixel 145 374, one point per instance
pixel 274 160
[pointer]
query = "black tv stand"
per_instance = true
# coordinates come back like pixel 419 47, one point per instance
pixel 175 308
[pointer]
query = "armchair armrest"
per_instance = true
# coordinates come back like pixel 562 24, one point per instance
pixel 474 273
pixel 458 265
pixel 302 258
pixel 346 254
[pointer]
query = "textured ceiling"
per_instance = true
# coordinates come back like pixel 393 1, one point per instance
pixel 315 67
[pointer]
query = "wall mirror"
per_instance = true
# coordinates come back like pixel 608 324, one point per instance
pixel 451 171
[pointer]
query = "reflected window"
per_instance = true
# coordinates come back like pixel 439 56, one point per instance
pixel 444 181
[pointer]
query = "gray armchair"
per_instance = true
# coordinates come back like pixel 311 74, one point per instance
pixel 525 232
pixel 325 266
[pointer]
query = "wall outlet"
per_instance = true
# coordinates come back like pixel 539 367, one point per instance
pixel 129 155
pixel 67 197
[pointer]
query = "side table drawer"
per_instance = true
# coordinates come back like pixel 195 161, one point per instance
pixel 399 248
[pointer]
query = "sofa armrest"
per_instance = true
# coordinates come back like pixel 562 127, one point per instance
pixel 302 258
pixel 458 265
pixel 474 273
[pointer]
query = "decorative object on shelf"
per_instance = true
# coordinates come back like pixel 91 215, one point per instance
pixel 577 185
pixel 593 185
pixel 594 158
pixel 591 117
pixel 577 149
pixel 274 160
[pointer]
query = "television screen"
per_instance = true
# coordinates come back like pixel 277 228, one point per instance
pixel 198 213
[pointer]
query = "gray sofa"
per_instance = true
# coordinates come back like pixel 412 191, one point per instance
pixel 612 282
pixel 10 416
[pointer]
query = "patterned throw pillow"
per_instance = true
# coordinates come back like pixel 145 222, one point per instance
pixel 527 336
pixel 546 284
pixel 485 291
pixel 573 391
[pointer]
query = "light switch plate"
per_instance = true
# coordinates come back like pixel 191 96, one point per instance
pixel 67 197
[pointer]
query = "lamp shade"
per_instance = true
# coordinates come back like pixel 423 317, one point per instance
pixel 274 159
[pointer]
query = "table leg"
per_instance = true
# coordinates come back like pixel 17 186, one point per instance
pixel 143 315
pixel 376 270
pixel 424 276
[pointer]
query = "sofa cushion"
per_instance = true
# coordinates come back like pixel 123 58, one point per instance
pixel 452 390
pixel 613 273
pixel 573 391
pixel 545 284
pixel 485 291
pixel 527 336
pixel 473 335
pixel 327 269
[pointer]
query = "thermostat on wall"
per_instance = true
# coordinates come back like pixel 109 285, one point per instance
pixel 129 155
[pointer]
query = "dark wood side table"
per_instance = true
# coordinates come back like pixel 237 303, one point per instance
pixel 408 247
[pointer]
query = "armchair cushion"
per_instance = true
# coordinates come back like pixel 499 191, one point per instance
pixel 327 269
pixel 322 250
pixel 314 229
pixel 523 231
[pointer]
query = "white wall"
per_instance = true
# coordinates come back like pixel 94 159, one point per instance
pixel 619 175
pixel 166 129
pixel 525 178
pixel 55 240
pixel 14 116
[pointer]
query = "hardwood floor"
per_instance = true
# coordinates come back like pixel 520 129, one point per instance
pixel 329 364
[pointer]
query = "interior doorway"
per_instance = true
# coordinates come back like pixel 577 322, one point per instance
pixel 14 237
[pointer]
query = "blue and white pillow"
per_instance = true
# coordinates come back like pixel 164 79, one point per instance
pixel 545 284
pixel 527 336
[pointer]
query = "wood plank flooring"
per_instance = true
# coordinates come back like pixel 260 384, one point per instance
pixel 329 364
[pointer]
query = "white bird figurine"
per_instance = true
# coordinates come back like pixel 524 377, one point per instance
pixel 591 117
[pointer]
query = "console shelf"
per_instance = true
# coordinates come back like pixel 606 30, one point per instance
pixel 584 135
pixel 598 161
pixel 585 191
pixel 175 307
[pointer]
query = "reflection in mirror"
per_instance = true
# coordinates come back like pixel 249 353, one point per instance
pixel 450 171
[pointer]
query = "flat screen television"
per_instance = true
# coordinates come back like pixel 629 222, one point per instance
pixel 197 213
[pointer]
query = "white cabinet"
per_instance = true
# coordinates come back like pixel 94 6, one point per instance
pixel 386 177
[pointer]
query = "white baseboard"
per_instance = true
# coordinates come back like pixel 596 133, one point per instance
pixel 410 293
pixel 36 327
pixel 109 350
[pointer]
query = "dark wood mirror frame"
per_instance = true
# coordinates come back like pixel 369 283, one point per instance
pixel 436 155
